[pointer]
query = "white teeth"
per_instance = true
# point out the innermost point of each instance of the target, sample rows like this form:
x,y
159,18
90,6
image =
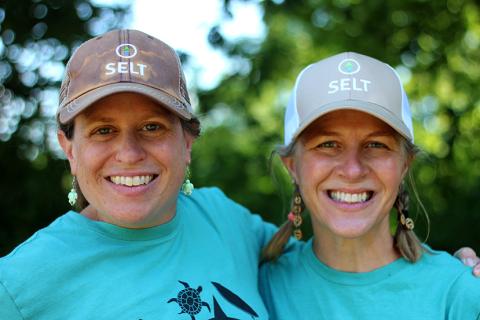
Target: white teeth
x,y
348,197
131,181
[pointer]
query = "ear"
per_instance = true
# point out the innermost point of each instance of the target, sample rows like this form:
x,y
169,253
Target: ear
x,y
67,147
406,165
290,164
188,146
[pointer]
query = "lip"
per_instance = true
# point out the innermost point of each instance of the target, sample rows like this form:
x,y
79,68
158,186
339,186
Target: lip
x,y
131,174
132,191
349,190
349,206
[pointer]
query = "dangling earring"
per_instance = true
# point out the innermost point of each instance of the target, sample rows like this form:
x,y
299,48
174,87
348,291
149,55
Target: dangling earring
x,y
402,204
295,216
187,186
73,195
406,222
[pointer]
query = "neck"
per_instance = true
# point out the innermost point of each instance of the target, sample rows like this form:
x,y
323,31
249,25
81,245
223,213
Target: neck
x,y
361,254
131,220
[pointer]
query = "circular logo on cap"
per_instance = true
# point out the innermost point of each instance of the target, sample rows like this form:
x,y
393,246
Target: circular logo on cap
x,y
126,50
349,66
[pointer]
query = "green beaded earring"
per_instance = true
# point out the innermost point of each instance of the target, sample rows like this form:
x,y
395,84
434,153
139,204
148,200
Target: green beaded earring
x,y
73,195
187,187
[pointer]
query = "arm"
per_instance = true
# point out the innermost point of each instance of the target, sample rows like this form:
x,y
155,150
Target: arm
x,y
255,228
8,308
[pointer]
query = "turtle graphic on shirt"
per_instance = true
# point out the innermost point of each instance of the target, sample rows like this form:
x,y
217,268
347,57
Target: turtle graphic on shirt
x,y
189,300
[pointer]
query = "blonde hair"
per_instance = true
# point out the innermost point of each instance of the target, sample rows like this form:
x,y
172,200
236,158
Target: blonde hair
x,y
405,240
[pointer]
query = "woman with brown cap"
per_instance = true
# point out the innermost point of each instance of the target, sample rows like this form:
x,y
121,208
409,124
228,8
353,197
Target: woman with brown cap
x,y
138,248
348,147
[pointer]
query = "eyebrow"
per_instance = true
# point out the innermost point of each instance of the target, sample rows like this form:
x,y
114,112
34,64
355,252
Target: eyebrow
x,y
321,132
158,112
100,119
384,133
325,133
379,133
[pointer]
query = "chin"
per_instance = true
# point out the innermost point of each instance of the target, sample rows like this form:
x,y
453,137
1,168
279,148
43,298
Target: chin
x,y
126,216
350,230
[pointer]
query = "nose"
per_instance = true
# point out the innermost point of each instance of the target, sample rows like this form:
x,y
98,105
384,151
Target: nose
x,y
352,167
129,149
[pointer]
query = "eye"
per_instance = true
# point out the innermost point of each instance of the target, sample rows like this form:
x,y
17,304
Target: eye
x,y
153,127
328,144
376,145
103,131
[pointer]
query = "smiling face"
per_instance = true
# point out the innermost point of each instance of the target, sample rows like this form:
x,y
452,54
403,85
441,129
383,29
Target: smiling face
x,y
349,166
129,157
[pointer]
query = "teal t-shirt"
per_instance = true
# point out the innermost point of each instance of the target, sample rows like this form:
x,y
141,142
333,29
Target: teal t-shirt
x,y
203,264
299,286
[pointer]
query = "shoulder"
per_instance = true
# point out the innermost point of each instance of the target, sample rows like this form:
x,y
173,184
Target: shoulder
x,y
284,274
213,202
456,277
34,259
464,296
466,283
212,207
37,249
209,194
464,288
293,259
442,261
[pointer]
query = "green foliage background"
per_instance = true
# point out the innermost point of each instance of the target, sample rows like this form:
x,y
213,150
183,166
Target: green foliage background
x,y
433,44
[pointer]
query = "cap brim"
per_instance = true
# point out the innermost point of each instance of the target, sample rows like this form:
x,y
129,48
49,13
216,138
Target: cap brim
x,y
371,108
69,111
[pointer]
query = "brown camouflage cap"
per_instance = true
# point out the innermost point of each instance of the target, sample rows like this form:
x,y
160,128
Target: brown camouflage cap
x,y
123,61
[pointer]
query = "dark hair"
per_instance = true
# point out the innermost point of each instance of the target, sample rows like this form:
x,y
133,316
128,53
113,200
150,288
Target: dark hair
x,y
191,127
405,240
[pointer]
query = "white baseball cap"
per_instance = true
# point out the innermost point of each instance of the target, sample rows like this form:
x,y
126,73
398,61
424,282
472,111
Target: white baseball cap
x,y
348,81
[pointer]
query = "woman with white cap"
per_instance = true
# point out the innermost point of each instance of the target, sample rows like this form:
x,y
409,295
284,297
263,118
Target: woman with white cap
x,y
137,248
348,147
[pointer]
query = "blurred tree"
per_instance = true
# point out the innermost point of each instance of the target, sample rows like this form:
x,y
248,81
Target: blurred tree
x,y
37,38
434,46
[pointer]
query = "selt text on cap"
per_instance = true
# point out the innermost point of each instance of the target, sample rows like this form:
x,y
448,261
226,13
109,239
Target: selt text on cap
x,y
123,61
348,81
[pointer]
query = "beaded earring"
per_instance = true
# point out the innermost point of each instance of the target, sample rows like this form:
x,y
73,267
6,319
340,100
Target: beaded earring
x,y
187,186
295,215
73,195
402,204
405,221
